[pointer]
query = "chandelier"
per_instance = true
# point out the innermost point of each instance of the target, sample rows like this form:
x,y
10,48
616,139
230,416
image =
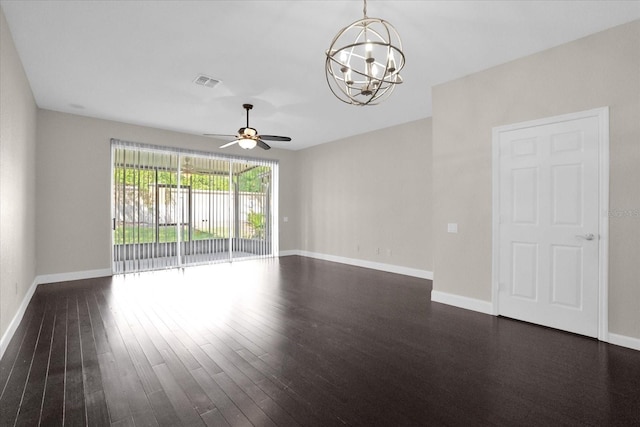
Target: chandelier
x,y
364,61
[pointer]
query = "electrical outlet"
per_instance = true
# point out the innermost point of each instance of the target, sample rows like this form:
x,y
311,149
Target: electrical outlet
x,y
378,251
388,251
16,288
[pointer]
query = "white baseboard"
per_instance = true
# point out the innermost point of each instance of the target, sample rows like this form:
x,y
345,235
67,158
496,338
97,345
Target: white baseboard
x,y
487,308
289,253
76,275
462,302
13,326
624,341
389,268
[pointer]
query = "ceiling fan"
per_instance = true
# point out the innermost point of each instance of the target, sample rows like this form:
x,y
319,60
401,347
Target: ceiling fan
x,y
248,137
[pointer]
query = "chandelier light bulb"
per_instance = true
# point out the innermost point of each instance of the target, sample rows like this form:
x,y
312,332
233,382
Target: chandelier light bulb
x,y
368,47
374,70
347,77
391,63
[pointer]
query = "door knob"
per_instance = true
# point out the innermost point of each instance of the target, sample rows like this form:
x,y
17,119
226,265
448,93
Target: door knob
x,y
588,236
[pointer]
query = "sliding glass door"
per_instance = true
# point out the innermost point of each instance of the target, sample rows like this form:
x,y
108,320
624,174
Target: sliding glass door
x,y
174,208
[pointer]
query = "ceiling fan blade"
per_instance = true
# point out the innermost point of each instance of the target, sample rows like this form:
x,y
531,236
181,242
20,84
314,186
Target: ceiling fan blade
x,y
275,138
228,144
262,144
219,135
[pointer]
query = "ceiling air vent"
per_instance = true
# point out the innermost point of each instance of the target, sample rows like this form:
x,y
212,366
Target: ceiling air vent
x,y
207,81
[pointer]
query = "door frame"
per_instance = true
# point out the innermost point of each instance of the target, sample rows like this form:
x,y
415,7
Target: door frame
x,y
602,114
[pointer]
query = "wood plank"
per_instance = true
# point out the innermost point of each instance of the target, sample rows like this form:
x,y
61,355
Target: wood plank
x,y
74,402
183,407
214,418
17,381
99,332
264,402
132,389
198,398
53,399
129,305
175,345
145,419
248,407
10,357
149,349
112,382
32,397
142,366
229,410
177,362
313,379
163,410
324,407
96,407
95,400
187,337
126,422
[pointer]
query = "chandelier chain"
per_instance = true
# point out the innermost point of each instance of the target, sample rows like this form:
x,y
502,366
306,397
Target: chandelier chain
x,y
364,9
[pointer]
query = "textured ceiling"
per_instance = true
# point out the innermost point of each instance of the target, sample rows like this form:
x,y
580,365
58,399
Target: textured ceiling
x,y
135,61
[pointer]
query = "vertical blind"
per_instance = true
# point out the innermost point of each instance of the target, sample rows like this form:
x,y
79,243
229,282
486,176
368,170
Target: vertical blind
x,y
174,207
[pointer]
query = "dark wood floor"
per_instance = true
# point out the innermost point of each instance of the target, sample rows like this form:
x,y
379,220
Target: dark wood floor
x,y
293,342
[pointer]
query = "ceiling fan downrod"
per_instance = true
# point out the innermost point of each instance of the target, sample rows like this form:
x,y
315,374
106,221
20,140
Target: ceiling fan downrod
x,y
247,107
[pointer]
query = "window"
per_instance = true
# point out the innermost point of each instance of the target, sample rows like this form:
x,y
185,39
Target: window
x,y
176,207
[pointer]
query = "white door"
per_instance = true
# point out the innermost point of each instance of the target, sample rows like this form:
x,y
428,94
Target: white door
x,y
548,225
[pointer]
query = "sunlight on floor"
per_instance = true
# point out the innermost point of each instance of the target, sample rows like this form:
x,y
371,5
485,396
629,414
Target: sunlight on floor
x,y
201,294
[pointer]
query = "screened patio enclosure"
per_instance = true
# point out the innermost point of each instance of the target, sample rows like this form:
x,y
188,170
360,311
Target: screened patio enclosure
x,y
174,208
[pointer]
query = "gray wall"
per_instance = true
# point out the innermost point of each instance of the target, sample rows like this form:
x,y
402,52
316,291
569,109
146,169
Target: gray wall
x,y
596,71
336,196
367,193
73,187
17,180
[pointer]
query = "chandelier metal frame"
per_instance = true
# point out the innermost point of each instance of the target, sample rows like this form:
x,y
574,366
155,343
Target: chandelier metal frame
x,y
366,68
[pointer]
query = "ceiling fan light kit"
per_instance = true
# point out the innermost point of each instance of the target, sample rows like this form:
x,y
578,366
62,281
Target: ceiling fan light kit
x,y
247,143
364,60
